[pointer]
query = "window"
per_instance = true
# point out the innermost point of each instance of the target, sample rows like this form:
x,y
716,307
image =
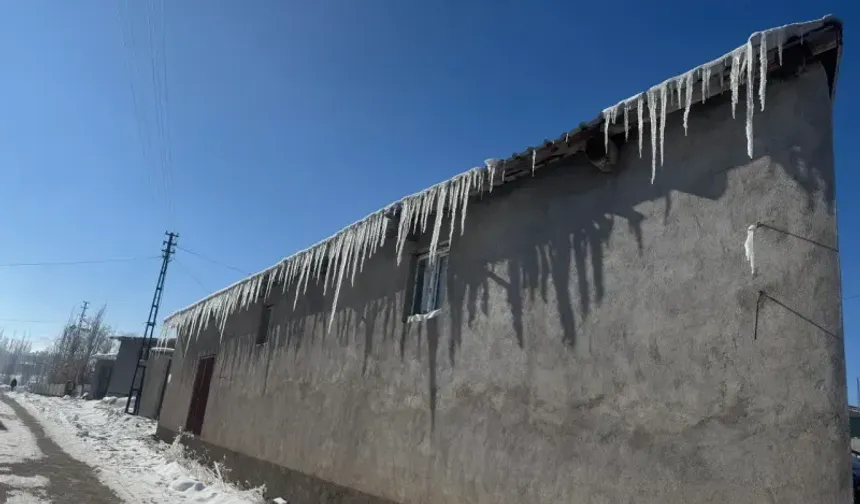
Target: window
x,y
265,320
429,287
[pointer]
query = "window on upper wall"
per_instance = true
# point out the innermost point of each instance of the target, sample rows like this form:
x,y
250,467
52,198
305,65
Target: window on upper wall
x,y
429,282
265,322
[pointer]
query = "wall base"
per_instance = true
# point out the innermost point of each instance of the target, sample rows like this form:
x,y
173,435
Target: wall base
x,y
294,486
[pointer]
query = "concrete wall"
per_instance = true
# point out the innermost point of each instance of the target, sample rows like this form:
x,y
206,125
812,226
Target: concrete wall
x,y
157,368
100,364
603,339
123,367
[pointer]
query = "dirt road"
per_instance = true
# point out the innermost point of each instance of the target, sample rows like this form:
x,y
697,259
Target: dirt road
x,y
34,470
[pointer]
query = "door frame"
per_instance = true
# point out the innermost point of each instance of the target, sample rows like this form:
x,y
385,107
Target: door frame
x,y
205,368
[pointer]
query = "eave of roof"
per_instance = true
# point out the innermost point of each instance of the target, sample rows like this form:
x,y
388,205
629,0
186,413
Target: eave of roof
x,y
822,35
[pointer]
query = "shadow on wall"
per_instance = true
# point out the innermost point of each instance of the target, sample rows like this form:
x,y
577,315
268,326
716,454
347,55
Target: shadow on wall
x,y
580,207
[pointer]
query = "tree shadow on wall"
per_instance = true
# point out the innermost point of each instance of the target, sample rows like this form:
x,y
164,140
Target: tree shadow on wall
x,y
544,239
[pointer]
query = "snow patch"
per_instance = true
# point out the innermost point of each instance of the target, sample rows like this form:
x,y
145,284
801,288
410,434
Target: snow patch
x,y
125,455
421,317
17,443
22,497
749,247
23,481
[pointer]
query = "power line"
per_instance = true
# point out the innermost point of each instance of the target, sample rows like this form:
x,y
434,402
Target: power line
x,y
75,263
213,261
190,274
23,321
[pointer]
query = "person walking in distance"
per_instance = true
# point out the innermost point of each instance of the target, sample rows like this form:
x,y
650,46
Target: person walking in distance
x,y
13,384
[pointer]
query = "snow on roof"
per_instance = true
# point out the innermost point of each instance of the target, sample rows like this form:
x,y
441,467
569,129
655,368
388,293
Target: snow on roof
x,y
340,257
126,337
105,356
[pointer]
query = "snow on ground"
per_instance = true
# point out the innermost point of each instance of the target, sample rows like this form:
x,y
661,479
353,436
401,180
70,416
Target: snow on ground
x,y
125,455
17,444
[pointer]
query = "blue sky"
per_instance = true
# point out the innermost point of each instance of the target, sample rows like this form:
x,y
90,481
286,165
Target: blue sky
x,y
286,121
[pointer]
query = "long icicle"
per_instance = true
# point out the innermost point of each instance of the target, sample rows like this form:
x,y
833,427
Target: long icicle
x,y
750,61
640,112
762,83
663,92
652,115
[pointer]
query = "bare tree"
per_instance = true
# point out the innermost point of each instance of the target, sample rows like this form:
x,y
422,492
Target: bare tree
x,y
17,348
97,337
71,353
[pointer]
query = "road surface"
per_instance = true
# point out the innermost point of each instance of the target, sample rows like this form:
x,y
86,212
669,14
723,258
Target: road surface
x,y
34,470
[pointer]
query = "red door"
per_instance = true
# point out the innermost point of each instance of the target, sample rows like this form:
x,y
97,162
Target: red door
x,y
200,395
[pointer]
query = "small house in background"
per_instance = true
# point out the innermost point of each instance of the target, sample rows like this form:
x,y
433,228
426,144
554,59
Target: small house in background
x,y
102,370
114,371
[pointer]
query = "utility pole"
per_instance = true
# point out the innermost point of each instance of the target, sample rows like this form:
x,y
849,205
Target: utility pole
x,y
84,306
73,347
143,355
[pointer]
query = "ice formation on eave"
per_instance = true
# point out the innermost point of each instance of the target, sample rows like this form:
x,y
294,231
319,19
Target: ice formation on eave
x,y
339,258
742,70
342,256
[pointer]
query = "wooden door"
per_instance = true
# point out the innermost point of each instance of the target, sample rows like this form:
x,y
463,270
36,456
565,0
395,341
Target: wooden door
x,y
200,395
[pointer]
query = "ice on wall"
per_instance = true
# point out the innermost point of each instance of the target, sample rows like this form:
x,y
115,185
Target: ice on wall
x,y
742,69
749,247
341,257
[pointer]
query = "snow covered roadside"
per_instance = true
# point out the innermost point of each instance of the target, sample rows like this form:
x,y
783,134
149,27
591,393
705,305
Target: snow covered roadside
x,y
124,454
17,445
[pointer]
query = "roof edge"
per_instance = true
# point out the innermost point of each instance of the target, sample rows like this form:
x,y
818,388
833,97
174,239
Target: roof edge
x,y
709,77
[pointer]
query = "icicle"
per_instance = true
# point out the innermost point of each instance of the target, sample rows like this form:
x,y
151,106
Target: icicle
x,y
688,100
750,60
347,248
652,115
734,79
534,158
491,165
437,226
663,93
454,198
464,195
427,206
626,121
749,247
706,83
779,44
360,246
640,112
762,83
608,118
402,228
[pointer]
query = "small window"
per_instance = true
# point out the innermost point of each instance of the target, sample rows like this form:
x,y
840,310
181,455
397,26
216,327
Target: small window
x,y
429,286
265,321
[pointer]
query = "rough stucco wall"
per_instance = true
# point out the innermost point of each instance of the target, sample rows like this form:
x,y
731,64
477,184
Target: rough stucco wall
x,y
601,340
94,379
156,370
123,367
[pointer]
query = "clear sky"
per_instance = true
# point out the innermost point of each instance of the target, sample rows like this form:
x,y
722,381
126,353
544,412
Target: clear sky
x,y
283,121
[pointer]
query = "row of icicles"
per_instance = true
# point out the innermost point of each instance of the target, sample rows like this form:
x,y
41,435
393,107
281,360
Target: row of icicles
x,y
342,256
680,90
